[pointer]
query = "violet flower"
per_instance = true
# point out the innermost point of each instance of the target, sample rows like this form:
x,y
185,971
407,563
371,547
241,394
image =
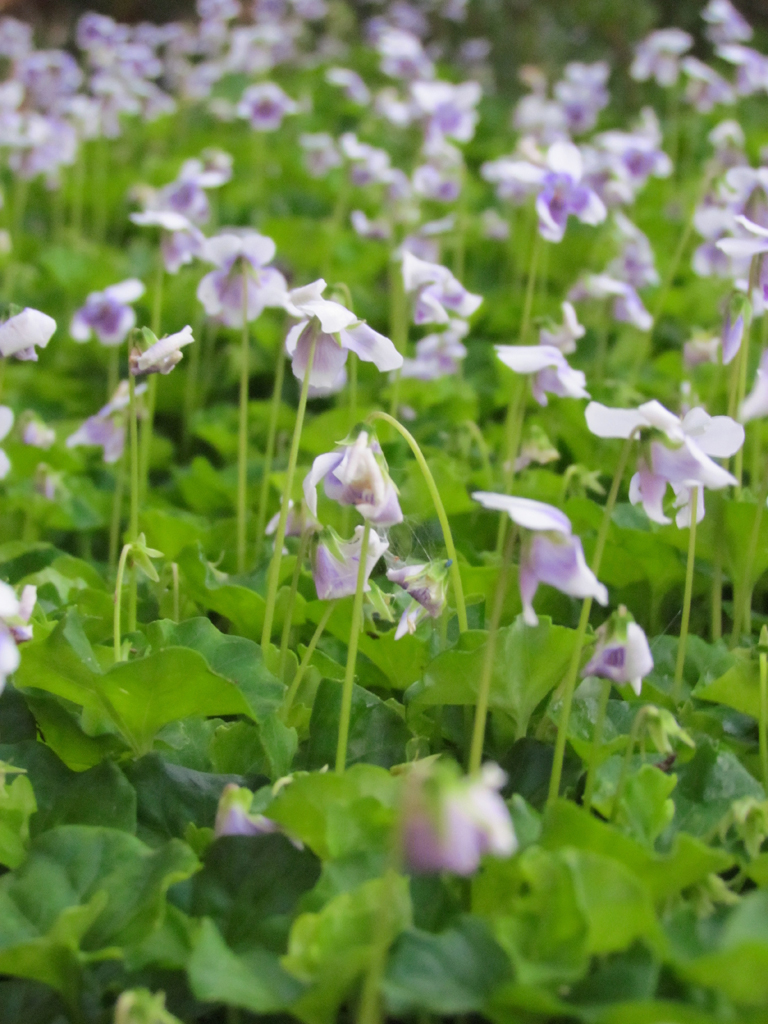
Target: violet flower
x,y
564,336
550,369
369,165
364,227
355,89
337,332
356,474
751,68
234,817
724,23
437,294
162,355
582,94
636,265
438,355
241,257
108,314
106,429
403,56
24,332
658,56
427,585
36,433
450,824
621,653
450,109
705,88
550,553
336,562
755,405
627,307
15,614
320,153
265,105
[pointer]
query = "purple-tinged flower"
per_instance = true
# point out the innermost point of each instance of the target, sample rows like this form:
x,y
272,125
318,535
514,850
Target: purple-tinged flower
x,y
563,336
621,653
658,56
364,227
25,331
427,585
582,94
336,331
356,474
218,10
627,307
437,294
108,314
562,193
162,355
36,433
675,451
15,614
369,164
234,817
700,349
6,422
299,521
494,226
550,553
106,429
724,23
535,447
438,355
355,89
636,265
15,38
705,88
320,153
550,370
265,105
755,405
451,823
390,105
751,68
436,184
336,562
403,56
753,243
450,109
48,76
241,258
633,157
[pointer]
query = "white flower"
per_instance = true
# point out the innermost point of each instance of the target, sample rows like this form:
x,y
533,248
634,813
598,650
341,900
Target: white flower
x,y
25,331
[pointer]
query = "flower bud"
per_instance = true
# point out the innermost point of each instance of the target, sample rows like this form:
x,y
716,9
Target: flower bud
x,y
622,653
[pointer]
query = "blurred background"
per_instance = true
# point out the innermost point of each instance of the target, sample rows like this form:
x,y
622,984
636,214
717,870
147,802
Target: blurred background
x,y
544,32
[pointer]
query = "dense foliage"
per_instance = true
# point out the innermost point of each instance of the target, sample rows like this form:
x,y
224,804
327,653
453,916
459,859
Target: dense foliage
x,y
521,773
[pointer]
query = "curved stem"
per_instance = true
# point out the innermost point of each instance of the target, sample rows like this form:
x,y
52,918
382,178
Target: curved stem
x,y
117,512
117,633
133,522
682,643
741,595
597,739
274,565
291,602
581,630
398,324
354,638
458,590
293,689
484,686
269,453
242,433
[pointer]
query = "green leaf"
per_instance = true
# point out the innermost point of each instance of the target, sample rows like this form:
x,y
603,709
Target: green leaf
x,y
377,733
645,809
738,688
17,805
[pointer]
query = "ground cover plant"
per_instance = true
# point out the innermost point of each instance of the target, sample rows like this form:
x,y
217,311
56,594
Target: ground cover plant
x,y
383,622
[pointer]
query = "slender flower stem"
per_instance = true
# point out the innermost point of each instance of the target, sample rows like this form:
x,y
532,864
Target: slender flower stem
x,y
513,431
717,573
117,511
242,434
352,366
484,686
133,522
291,602
634,736
269,453
113,370
176,595
530,289
763,721
602,708
581,629
398,324
742,603
274,566
369,1010
117,633
293,689
191,382
741,385
682,643
354,637
482,446
151,401
458,590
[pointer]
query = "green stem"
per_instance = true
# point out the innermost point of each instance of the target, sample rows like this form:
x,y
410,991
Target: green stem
x,y
242,433
133,522
741,595
581,630
151,401
274,412
513,433
682,642
291,602
293,689
117,511
274,565
717,575
530,289
354,637
176,595
113,371
369,1010
484,686
763,724
597,739
634,736
117,633
458,590
485,455
398,324
352,365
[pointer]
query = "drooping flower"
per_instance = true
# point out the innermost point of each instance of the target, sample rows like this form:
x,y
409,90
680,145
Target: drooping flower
x,y
705,88
582,94
724,23
234,816
550,553
549,368
438,355
621,653
336,332
564,336
24,332
427,585
15,614
450,109
36,433
106,429
265,105
627,306
241,258
108,314
436,293
658,56
355,89
356,474
336,562
751,72
450,823
162,355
